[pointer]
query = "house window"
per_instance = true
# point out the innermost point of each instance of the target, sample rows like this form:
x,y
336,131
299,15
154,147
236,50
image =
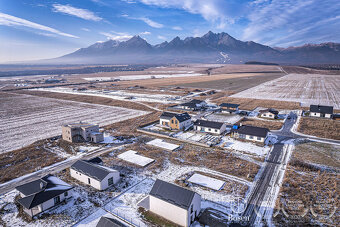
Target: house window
x,y
209,129
215,130
65,194
258,138
110,181
251,137
89,180
172,121
56,200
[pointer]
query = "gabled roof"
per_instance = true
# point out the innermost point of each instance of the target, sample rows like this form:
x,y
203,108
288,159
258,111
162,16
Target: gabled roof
x,y
95,160
109,222
209,124
168,115
182,117
172,193
253,131
321,109
189,104
93,170
229,105
196,101
42,190
270,110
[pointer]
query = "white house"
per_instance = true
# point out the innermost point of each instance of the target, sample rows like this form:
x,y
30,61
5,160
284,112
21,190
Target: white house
x,y
174,203
209,126
177,121
252,133
321,111
99,177
269,113
40,195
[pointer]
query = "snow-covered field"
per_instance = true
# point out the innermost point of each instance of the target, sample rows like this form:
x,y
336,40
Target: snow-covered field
x,y
142,77
133,157
246,147
206,181
305,88
162,144
117,94
25,119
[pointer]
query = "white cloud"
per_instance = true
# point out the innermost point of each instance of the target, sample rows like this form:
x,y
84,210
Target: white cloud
x,y
86,29
220,12
151,23
115,36
177,28
145,33
77,12
161,37
148,21
291,22
13,21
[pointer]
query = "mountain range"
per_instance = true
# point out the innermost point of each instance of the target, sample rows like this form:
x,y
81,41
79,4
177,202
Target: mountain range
x,y
210,48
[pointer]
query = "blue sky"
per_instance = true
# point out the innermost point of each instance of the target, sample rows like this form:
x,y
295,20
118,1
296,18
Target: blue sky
x,y
38,29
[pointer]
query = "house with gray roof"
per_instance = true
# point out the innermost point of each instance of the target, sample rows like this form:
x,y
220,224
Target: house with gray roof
x,y
42,194
252,133
229,107
321,111
176,121
98,176
184,204
193,105
209,126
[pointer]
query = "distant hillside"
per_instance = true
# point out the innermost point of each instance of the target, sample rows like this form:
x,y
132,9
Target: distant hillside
x,y
210,48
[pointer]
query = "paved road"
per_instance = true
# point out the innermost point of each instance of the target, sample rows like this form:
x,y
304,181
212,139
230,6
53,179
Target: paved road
x,y
273,162
6,187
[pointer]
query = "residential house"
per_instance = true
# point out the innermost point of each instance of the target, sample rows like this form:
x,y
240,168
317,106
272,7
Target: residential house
x,y
229,107
40,195
82,132
193,105
252,133
109,222
321,111
176,121
209,126
269,113
174,203
99,177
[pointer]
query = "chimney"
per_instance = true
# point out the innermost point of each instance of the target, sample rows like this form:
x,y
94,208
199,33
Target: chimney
x,y
41,185
240,124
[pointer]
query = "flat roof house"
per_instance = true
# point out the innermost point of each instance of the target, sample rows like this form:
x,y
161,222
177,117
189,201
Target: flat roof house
x,y
99,177
229,107
252,133
174,203
82,132
109,222
269,113
209,126
40,195
176,121
321,111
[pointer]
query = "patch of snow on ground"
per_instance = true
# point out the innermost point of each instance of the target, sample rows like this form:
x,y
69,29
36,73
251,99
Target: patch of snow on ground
x,y
206,181
165,145
250,148
132,157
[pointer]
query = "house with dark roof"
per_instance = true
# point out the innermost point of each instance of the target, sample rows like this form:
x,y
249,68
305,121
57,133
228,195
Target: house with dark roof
x,y
229,107
175,121
209,126
174,203
40,195
99,177
109,222
193,105
252,133
321,111
269,113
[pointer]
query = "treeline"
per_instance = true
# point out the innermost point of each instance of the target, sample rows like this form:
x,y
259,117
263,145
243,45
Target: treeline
x,y
85,70
259,63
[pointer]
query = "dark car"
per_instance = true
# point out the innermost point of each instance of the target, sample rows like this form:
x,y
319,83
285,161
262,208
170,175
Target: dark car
x,y
289,117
